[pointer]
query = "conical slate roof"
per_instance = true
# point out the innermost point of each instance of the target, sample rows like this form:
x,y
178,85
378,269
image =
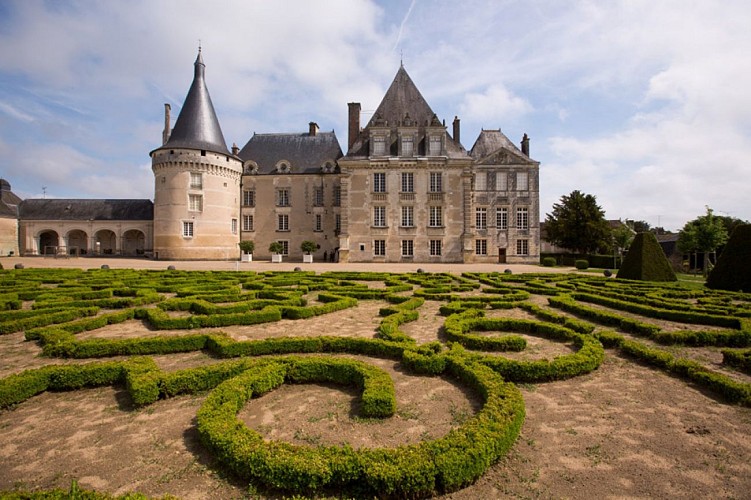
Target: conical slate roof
x,y
197,126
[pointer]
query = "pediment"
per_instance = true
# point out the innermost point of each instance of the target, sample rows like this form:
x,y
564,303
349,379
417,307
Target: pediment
x,y
504,156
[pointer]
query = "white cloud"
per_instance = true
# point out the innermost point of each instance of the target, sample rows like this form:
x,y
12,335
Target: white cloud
x,y
494,105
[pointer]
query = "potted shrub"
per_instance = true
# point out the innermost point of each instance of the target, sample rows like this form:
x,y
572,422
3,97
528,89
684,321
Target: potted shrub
x,y
276,249
308,247
247,248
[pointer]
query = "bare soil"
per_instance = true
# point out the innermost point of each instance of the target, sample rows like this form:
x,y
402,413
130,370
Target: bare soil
x,y
624,431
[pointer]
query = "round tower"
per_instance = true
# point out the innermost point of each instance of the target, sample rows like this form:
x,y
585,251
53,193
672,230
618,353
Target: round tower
x,y
196,183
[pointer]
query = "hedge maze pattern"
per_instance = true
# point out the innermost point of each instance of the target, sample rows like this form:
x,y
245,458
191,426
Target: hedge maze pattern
x,y
589,313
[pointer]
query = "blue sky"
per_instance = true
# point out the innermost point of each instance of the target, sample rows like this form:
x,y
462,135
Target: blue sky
x,y
646,105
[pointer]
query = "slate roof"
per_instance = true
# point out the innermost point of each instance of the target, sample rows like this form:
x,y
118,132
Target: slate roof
x,y
197,126
403,101
83,210
305,153
490,141
8,201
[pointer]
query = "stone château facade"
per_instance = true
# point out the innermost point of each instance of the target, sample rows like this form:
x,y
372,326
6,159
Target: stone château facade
x,y
405,191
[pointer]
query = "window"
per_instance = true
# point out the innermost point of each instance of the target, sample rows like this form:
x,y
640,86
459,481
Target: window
x,y
481,218
434,148
282,222
196,180
319,223
379,146
248,223
249,198
408,182
318,196
282,197
408,216
379,248
501,218
337,196
481,247
501,181
285,247
481,181
435,248
188,229
234,226
436,217
436,182
407,145
522,218
195,202
379,182
522,181
522,247
337,223
379,216
408,248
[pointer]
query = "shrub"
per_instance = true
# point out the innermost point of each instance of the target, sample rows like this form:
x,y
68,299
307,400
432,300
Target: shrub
x,y
308,246
276,248
607,273
581,264
733,269
549,262
646,261
247,246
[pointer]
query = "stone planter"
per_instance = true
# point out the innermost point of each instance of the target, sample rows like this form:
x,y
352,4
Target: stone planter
x,y
246,257
276,257
307,258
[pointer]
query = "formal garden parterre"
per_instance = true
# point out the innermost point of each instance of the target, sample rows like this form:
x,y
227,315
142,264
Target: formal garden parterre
x,y
218,328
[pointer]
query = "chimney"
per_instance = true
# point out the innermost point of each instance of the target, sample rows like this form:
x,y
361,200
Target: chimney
x,y
235,149
457,139
525,144
166,133
354,123
313,129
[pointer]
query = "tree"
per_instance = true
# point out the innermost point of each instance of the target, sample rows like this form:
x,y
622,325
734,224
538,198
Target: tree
x,y
578,223
639,226
622,238
704,234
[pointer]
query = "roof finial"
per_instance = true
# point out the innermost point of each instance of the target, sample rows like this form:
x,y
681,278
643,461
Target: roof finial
x,y
199,45
401,57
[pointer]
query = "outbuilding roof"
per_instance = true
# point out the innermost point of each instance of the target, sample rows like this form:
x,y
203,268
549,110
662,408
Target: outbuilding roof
x,y
303,153
85,209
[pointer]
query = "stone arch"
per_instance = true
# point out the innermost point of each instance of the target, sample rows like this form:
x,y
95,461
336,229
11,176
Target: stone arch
x,y
134,242
105,242
78,242
49,242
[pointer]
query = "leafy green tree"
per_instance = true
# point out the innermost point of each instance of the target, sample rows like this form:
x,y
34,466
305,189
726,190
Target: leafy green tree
x,y
578,223
704,234
639,226
622,238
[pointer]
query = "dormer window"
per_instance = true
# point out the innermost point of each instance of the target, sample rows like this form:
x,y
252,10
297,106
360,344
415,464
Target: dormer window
x,y
283,167
434,145
408,146
379,146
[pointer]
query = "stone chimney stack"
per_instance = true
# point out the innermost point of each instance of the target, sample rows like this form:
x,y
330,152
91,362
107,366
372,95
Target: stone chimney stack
x,y
313,129
166,133
354,123
235,149
457,130
525,145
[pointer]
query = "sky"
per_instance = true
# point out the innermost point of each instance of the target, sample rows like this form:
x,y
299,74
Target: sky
x,y
644,104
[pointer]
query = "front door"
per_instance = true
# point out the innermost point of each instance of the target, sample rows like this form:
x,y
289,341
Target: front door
x,y
501,255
